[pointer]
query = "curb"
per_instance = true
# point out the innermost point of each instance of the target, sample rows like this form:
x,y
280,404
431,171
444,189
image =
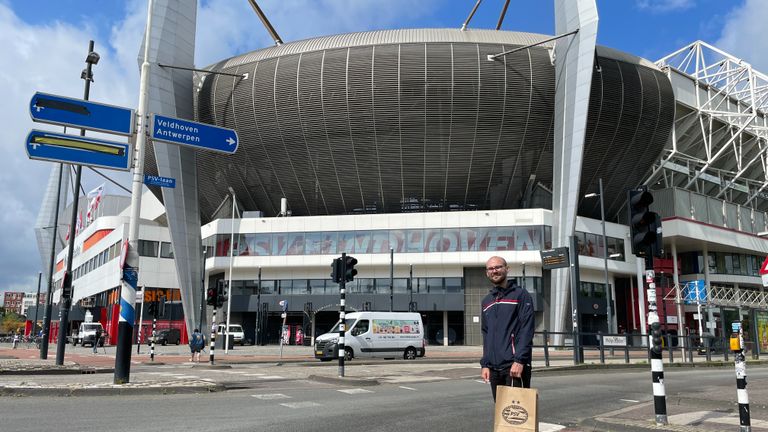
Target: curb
x,y
77,371
109,391
360,382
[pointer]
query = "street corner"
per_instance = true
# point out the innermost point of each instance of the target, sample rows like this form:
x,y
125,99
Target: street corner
x,y
345,381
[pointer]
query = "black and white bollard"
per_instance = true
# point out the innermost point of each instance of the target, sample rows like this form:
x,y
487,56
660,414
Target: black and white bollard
x,y
737,344
154,337
213,334
657,358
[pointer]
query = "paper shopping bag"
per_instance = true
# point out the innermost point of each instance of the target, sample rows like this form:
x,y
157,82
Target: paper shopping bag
x,y
516,409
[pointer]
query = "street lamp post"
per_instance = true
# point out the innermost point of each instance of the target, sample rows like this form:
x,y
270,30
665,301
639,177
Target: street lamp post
x,y
609,297
66,287
201,326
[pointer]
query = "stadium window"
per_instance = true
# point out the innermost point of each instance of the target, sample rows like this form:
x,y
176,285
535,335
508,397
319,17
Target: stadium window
x,y
148,248
166,250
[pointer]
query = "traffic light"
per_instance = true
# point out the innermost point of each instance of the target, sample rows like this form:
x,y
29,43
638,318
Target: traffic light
x,y
221,295
349,268
210,296
336,270
657,342
642,223
153,309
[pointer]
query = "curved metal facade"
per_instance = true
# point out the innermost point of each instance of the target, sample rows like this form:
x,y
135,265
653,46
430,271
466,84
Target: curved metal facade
x,y
418,120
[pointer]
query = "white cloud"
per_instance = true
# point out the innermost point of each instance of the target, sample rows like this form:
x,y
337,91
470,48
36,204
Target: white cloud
x,y
743,34
47,58
661,6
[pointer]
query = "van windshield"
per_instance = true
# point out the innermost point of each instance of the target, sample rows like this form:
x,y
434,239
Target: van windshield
x,y
348,323
90,327
235,329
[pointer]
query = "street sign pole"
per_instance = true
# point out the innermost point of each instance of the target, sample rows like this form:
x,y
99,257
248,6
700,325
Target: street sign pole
x,y
66,287
131,269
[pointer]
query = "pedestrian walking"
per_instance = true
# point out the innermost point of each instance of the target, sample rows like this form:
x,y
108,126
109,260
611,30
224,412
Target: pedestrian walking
x,y
96,339
196,344
507,327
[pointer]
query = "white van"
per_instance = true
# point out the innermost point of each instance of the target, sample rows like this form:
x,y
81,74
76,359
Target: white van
x,y
236,330
375,334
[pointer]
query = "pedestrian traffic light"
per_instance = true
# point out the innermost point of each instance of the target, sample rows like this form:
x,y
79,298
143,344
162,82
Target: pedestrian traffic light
x,y
657,341
210,296
336,270
349,268
642,222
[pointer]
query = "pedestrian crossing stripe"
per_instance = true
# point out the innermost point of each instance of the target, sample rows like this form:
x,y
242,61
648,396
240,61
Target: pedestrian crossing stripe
x,y
355,391
271,396
295,405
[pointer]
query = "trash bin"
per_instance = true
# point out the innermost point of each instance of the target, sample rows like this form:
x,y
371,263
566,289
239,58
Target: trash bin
x,y
220,342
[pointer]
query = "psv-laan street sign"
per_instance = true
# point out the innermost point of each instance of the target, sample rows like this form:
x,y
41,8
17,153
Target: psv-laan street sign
x,y
188,133
64,111
77,150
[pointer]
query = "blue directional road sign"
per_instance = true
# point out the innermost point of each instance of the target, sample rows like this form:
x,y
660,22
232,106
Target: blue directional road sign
x,y
78,150
151,180
59,110
194,134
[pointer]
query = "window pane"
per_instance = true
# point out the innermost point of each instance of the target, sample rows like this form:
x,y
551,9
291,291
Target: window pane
x,y
166,250
435,285
346,242
380,240
317,286
396,240
448,241
528,238
501,239
453,285
363,242
547,237
414,240
148,248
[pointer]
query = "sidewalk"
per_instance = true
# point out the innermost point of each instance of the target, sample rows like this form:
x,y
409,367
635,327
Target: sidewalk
x,y
85,373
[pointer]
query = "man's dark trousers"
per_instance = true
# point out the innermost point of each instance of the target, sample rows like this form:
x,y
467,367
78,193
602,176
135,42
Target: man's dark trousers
x,y
502,377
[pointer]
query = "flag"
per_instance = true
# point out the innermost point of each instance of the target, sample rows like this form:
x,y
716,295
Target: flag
x,y
93,205
79,225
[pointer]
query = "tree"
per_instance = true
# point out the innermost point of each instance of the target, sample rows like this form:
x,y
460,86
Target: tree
x,y
10,321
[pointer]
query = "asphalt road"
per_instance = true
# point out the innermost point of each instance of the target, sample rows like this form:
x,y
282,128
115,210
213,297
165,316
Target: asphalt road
x,y
456,402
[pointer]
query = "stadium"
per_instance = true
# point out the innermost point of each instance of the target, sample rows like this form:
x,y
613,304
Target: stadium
x,y
423,152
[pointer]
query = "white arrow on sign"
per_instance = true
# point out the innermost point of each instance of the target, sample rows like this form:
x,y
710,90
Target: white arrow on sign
x,y
231,141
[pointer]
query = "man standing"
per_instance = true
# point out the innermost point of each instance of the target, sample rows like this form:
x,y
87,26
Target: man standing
x,y
507,327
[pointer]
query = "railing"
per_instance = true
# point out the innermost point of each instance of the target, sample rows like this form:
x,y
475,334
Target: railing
x,y
628,346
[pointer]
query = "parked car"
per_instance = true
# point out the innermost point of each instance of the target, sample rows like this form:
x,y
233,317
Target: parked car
x,y
236,330
166,336
86,334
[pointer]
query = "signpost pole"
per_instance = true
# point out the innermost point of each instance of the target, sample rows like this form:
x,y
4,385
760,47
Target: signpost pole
x,y
49,294
131,269
66,287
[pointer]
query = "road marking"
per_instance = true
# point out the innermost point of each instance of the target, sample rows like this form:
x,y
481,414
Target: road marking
x,y
271,377
355,391
271,396
295,405
549,427
629,400
253,374
408,388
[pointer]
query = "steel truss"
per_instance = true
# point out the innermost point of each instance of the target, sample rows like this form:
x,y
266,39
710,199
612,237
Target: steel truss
x,y
722,296
719,146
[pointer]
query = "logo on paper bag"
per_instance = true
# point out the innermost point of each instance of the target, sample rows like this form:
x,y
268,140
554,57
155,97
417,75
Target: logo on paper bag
x,y
515,414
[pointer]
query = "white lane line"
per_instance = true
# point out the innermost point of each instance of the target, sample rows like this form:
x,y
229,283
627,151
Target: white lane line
x,y
629,400
252,374
408,388
271,377
355,391
271,396
549,427
294,405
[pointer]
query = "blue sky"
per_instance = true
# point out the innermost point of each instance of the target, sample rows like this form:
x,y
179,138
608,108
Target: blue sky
x,y
43,45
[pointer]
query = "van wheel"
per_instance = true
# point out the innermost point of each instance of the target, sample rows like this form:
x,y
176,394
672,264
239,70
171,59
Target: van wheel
x,y
410,353
348,354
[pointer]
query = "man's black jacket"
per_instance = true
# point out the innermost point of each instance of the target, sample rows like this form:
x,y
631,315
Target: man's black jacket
x,y
507,326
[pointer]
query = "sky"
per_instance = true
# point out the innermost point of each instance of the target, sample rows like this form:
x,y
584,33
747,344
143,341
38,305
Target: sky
x,y
43,44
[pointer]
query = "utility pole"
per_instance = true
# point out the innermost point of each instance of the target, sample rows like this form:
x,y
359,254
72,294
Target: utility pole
x,y
66,286
37,304
131,267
